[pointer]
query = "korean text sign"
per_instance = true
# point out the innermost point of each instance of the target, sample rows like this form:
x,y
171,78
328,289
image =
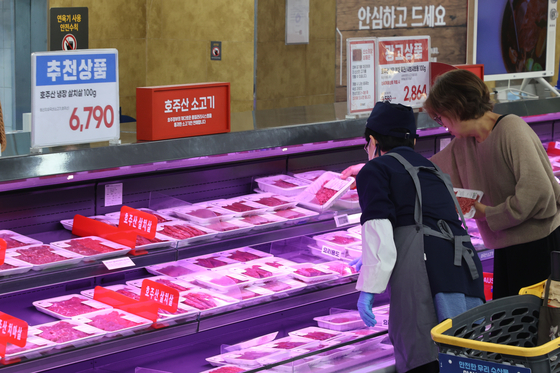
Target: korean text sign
x,y
165,296
361,75
168,112
12,330
403,70
74,97
139,222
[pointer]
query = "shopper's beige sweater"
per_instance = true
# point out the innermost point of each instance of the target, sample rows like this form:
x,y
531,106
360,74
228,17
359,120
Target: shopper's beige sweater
x,y
511,167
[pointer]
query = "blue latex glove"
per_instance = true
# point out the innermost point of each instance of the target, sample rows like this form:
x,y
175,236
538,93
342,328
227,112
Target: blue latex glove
x,y
357,262
365,304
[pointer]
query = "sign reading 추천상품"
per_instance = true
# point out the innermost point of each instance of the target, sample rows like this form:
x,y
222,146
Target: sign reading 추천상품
x,y
74,97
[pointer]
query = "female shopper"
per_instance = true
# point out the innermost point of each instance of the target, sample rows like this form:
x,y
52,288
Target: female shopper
x,y
412,239
502,156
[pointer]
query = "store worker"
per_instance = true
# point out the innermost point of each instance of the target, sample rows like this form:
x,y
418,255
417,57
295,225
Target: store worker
x,y
412,239
502,156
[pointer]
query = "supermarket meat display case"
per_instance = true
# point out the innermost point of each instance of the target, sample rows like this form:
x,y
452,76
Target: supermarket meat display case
x,y
39,191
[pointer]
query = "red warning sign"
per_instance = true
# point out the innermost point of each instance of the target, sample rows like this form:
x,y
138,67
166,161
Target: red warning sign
x,y
69,43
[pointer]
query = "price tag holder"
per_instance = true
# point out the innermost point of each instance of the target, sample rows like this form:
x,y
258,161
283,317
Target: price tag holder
x,y
3,247
74,97
166,297
330,251
341,220
12,330
403,70
119,263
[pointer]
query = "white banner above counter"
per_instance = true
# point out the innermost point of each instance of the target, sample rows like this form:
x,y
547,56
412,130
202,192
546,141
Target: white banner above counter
x,y
74,97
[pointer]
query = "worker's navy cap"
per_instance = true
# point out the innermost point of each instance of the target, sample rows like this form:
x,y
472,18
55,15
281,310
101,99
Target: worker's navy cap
x,y
386,116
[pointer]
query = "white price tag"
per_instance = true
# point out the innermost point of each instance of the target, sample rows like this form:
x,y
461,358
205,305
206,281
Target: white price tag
x,y
341,220
336,184
86,329
112,245
94,304
327,250
258,290
23,239
61,244
66,254
113,194
119,263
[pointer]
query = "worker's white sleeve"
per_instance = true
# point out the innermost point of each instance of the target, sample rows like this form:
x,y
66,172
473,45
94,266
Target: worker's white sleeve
x,y
379,256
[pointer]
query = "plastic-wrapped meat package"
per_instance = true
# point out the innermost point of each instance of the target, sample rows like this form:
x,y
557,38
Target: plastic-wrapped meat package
x,y
319,336
61,332
341,268
310,272
284,184
160,219
175,270
343,240
256,271
256,220
171,284
223,226
140,241
289,214
11,243
88,246
271,201
181,231
238,207
242,256
6,266
39,255
111,322
324,194
226,369
199,300
210,262
129,294
276,286
71,307
204,213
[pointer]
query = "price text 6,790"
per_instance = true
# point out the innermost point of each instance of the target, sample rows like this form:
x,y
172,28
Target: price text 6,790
x,y
414,93
100,115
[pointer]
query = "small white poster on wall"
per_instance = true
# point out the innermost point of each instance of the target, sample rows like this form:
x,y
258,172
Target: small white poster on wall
x,y
297,21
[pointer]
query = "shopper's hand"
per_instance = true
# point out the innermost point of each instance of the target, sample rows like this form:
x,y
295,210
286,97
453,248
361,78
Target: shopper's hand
x,y
365,304
357,262
480,213
352,171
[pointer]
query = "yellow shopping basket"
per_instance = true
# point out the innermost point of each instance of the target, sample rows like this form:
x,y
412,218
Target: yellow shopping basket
x,y
498,337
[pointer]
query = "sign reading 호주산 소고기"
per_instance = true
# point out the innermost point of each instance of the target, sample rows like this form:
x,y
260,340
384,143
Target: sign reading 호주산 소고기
x,y
74,97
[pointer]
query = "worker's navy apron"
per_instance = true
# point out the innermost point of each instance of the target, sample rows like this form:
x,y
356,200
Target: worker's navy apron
x,y
412,312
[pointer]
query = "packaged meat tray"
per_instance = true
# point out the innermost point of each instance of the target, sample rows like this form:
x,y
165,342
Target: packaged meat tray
x,y
158,241
283,185
283,287
92,247
68,306
161,217
34,347
467,198
263,221
67,333
44,256
185,232
349,200
228,368
324,191
276,262
245,254
310,175
13,266
14,239
272,201
341,321
260,272
127,290
175,269
230,228
312,273
223,281
250,357
355,231
315,333
212,261
208,302
204,214
175,283
241,207
69,223
342,268
296,215
115,322
339,240
288,343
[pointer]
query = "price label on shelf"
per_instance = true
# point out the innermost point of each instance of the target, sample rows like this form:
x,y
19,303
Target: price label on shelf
x,y
74,97
403,70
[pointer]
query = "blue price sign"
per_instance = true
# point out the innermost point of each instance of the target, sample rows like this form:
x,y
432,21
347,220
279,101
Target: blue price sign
x,y
456,364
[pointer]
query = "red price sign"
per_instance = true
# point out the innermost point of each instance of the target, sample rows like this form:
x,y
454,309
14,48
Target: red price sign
x,y
140,222
12,330
3,247
100,116
414,93
147,309
165,296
